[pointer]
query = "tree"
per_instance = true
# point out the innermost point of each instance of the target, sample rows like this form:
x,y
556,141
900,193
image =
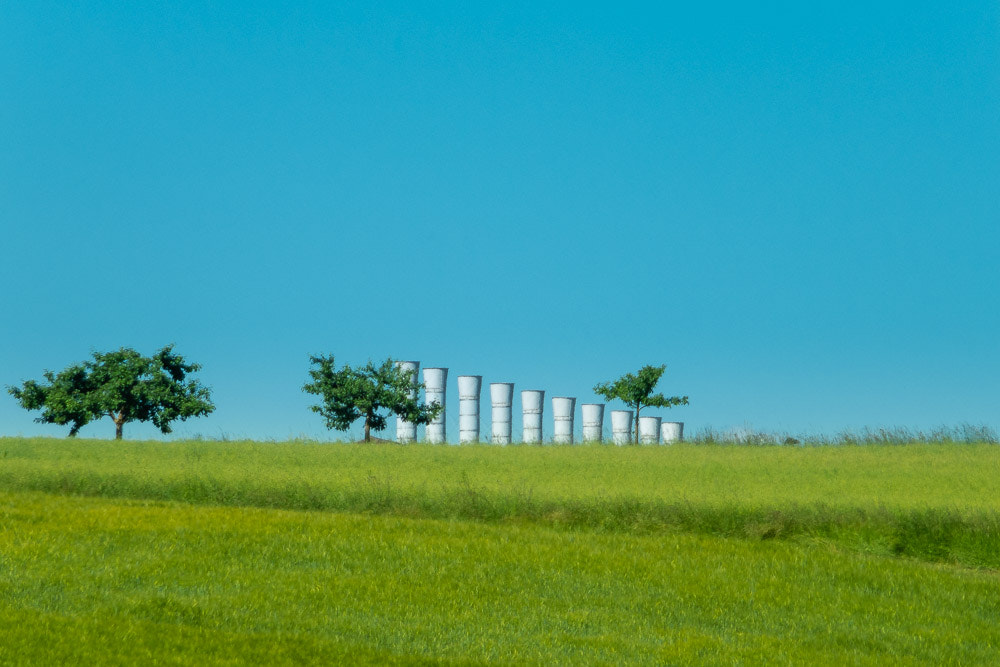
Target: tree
x,y
123,385
352,393
636,391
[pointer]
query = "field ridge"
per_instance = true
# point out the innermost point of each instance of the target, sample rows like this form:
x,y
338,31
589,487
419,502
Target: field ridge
x,y
522,485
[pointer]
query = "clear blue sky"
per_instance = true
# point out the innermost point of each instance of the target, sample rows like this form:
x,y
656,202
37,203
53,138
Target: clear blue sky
x,y
795,206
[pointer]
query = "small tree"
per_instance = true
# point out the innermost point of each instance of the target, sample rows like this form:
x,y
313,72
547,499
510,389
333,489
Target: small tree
x,y
636,391
123,385
352,393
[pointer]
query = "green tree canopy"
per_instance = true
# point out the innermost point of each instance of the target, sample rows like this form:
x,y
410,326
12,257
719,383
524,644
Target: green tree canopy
x,y
636,391
123,385
349,394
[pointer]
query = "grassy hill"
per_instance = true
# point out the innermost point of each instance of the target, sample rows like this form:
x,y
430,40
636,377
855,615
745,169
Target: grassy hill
x,y
207,552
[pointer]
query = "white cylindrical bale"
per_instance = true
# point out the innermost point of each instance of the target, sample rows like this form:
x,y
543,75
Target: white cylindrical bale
x,y
532,408
671,432
407,431
469,390
501,398
563,410
593,422
435,384
649,430
621,427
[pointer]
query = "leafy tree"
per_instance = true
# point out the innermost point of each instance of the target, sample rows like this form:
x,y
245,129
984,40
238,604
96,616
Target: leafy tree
x,y
352,393
636,391
123,385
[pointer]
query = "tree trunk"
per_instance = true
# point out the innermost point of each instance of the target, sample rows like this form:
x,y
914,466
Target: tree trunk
x,y
368,431
119,427
636,424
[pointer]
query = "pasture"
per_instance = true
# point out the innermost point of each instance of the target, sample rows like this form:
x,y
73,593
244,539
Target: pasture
x,y
217,552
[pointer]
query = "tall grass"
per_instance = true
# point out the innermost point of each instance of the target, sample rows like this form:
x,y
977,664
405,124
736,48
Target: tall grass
x,y
931,501
894,435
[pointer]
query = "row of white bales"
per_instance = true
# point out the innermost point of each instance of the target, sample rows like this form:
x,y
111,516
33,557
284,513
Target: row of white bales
x,y
652,430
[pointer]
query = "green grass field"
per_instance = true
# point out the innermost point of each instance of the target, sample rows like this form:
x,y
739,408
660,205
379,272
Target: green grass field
x,y
210,552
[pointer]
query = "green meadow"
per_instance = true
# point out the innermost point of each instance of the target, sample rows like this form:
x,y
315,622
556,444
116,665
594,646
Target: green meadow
x,y
233,552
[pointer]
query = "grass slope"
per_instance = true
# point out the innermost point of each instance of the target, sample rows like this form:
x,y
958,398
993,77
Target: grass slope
x,y
936,502
113,581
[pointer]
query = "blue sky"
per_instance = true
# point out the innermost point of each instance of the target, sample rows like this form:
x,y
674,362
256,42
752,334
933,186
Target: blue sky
x,y
792,205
